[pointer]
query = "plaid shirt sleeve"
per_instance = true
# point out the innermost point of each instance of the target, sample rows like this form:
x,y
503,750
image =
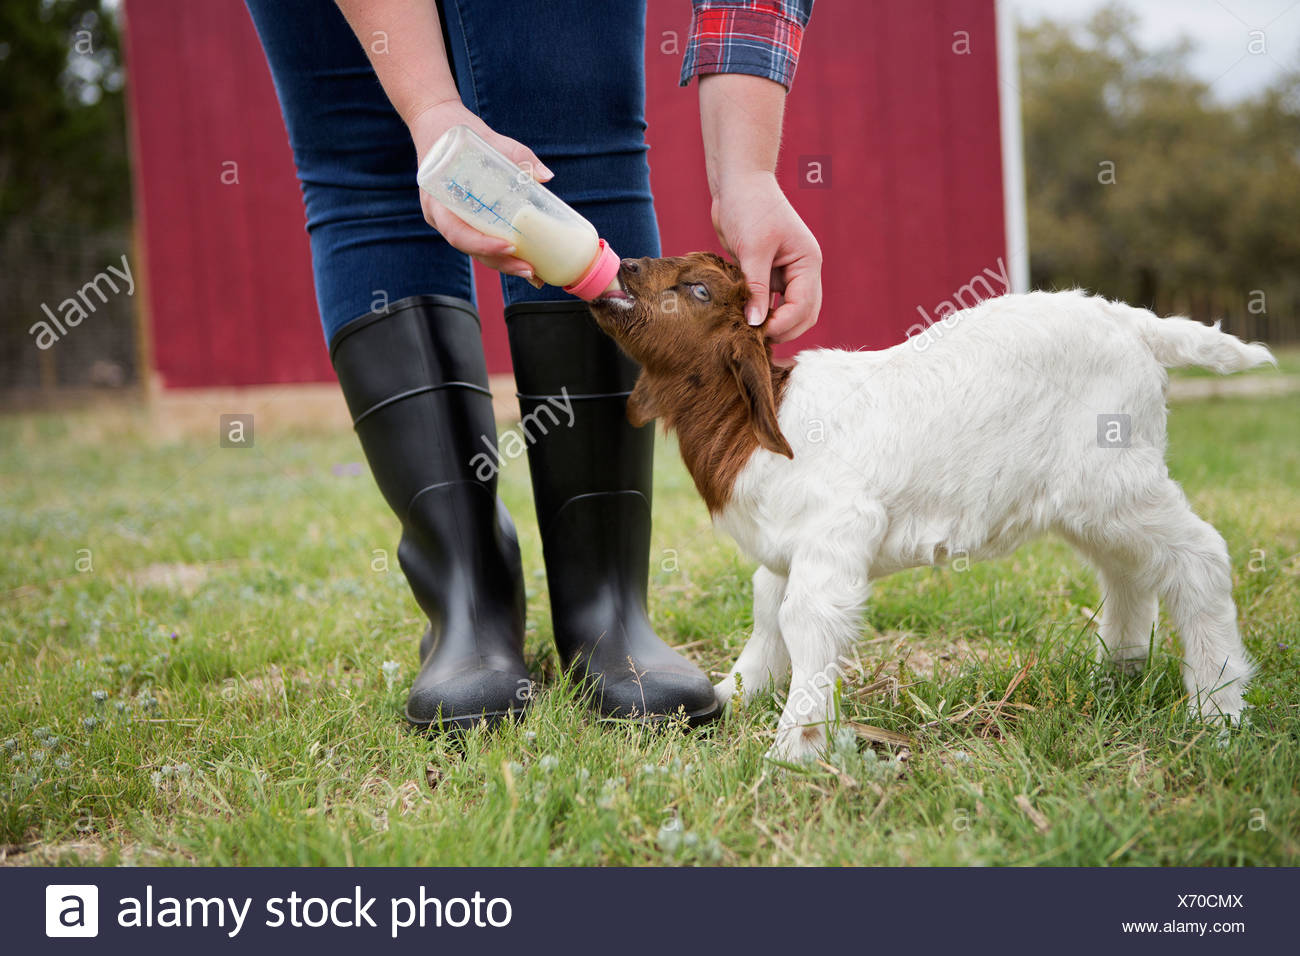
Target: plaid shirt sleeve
x,y
759,37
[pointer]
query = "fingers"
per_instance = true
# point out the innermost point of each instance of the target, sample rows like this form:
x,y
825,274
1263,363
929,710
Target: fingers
x,y
493,252
757,267
525,159
511,267
465,237
787,325
800,307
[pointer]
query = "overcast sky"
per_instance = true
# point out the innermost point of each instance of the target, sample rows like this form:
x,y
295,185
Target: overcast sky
x,y
1220,30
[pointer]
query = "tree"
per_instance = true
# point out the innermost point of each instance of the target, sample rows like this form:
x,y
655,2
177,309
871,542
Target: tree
x,y
62,122
65,196
1141,186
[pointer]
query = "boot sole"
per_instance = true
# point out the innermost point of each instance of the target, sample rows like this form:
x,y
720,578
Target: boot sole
x,y
694,719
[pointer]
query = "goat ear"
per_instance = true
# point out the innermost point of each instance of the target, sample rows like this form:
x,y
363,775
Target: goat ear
x,y
750,362
641,404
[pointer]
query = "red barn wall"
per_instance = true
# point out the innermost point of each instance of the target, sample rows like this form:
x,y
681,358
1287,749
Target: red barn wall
x,y
910,130
906,125
231,300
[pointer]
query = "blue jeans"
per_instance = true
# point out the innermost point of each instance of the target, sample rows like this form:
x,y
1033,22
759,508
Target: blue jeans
x,y
565,77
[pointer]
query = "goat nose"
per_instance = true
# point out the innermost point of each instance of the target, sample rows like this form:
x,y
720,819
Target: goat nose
x,y
632,266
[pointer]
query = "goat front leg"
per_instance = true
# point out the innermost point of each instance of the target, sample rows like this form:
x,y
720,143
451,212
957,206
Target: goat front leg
x,y
764,661
819,619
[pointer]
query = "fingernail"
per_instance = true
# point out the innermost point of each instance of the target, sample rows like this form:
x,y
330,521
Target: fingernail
x,y
545,170
508,250
754,315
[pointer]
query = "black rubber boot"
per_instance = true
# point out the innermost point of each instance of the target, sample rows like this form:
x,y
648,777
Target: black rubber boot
x,y
416,384
592,477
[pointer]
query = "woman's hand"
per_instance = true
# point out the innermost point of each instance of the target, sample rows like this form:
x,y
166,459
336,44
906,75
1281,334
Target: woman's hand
x,y
740,117
426,127
760,229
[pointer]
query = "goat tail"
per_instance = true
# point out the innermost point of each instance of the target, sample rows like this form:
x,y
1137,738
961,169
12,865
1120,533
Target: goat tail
x,y
1176,342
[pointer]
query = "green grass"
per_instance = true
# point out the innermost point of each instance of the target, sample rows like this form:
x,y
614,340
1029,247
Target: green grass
x,y
212,689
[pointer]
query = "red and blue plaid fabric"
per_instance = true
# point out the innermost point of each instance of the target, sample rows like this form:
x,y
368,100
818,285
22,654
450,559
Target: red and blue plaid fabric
x,y
759,37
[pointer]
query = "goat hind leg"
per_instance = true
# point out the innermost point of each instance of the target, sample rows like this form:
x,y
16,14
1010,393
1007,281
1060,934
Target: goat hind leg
x,y
1195,581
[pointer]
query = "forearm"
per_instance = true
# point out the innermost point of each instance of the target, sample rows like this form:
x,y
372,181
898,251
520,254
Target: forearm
x,y
740,117
403,40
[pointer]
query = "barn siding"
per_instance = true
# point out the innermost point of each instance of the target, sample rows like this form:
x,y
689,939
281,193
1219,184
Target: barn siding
x,y
229,273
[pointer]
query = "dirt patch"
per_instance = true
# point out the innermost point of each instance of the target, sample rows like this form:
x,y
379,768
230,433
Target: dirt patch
x,y
182,578
928,655
273,683
1251,386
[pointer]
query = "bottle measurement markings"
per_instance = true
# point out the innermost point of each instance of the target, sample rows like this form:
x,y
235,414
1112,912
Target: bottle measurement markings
x,y
463,193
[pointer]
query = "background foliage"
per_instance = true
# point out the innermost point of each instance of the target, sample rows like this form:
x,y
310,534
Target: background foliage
x,y
1205,198
65,187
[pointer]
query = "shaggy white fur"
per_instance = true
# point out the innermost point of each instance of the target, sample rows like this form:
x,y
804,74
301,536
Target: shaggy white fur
x,y
1022,415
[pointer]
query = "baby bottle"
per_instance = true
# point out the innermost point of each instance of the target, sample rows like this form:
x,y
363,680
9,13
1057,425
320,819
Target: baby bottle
x,y
496,197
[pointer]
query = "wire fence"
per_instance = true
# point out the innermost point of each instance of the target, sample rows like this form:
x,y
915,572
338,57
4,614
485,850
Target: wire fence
x,y
67,312
1253,316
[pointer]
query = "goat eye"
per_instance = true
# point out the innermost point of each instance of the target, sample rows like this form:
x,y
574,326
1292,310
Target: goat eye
x,y
700,291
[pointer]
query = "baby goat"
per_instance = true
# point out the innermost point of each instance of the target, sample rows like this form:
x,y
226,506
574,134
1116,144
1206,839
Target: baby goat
x,y
1021,415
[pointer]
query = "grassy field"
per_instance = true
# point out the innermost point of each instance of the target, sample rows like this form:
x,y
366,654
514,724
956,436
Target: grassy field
x,y
203,653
